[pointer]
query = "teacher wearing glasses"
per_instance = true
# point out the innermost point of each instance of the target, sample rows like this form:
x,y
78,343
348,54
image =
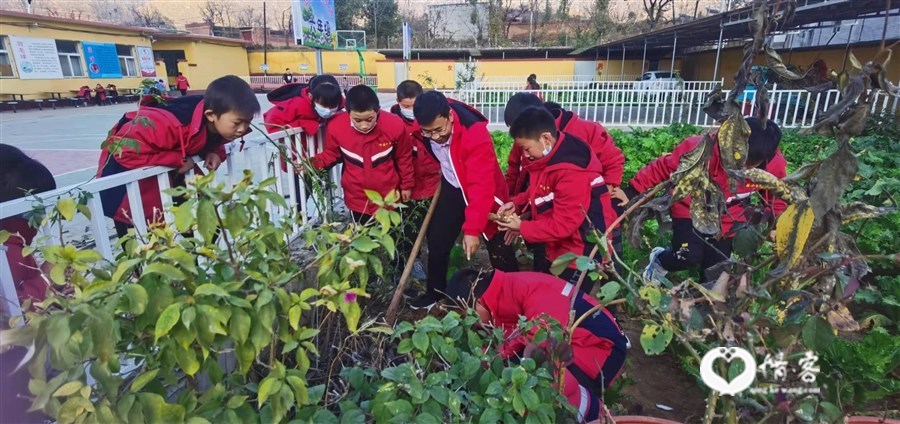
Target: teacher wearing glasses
x,y
472,186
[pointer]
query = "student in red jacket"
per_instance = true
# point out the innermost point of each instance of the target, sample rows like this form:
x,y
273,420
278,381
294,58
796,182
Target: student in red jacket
x,y
427,169
591,132
21,176
182,84
598,344
689,247
305,106
170,134
564,184
375,149
472,186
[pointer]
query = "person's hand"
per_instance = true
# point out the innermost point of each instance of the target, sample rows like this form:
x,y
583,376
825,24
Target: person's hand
x,y
514,223
510,237
619,194
470,245
405,195
507,209
186,166
212,161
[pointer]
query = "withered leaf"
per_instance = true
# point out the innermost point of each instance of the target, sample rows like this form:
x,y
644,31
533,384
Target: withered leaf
x,y
776,63
792,231
858,210
707,204
715,104
854,62
885,85
733,135
841,319
853,122
807,171
835,174
766,181
856,86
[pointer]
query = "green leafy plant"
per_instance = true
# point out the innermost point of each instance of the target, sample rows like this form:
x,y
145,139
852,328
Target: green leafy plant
x,y
451,370
208,321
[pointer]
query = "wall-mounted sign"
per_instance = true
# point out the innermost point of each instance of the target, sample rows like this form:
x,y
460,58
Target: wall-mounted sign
x,y
36,58
145,59
314,23
102,60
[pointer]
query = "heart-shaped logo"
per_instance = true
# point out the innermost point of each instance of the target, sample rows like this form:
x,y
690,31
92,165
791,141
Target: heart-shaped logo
x,y
719,384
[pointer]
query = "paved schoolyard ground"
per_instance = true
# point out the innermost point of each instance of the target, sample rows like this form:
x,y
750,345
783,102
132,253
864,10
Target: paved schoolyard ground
x,y
67,140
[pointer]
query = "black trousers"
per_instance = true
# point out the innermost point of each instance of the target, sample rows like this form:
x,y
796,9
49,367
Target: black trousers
x,y
183,92
690,248
446,224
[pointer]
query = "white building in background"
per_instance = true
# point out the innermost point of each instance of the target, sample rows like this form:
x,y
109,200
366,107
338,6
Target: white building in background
x,y
458,21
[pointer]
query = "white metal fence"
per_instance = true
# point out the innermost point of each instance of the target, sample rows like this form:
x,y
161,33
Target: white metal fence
x,y
655,108
345,81
256,155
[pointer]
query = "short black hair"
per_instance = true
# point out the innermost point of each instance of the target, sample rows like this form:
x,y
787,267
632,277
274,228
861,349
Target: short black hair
x,y
180,74
517,103
322,79
20,174
362,99
326,94
287,69
408,89
763,142
430,105
468,284
551,106
230,94
532,122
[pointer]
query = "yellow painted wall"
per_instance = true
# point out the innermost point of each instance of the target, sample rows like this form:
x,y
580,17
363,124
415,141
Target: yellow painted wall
x,y
331,61
206,61
38,88
441,73
386,75
525,67
700,66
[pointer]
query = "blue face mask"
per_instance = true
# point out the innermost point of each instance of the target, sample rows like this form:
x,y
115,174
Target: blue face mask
x,y
325,112
546,151
407,113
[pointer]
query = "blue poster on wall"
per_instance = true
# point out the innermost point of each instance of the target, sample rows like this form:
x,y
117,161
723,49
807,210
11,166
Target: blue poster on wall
x,y
102,60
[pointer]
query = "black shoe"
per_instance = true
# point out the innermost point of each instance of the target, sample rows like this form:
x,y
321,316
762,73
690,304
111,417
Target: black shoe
x,y
425,301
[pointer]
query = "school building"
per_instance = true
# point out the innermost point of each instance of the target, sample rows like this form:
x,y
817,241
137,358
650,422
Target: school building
x,y
45,57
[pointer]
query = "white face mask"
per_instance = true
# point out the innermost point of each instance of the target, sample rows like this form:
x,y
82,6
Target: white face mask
x,y
407,113
546,150
325,112
361,131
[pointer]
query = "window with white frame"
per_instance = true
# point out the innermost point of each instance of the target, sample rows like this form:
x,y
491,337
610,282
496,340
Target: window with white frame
x,y
6,69
70,58
126,60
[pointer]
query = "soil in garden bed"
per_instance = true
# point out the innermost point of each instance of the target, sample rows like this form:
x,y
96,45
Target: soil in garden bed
x,y
659,380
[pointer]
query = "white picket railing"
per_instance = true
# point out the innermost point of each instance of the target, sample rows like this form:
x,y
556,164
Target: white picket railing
x,y
657,108
257,155
345,81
